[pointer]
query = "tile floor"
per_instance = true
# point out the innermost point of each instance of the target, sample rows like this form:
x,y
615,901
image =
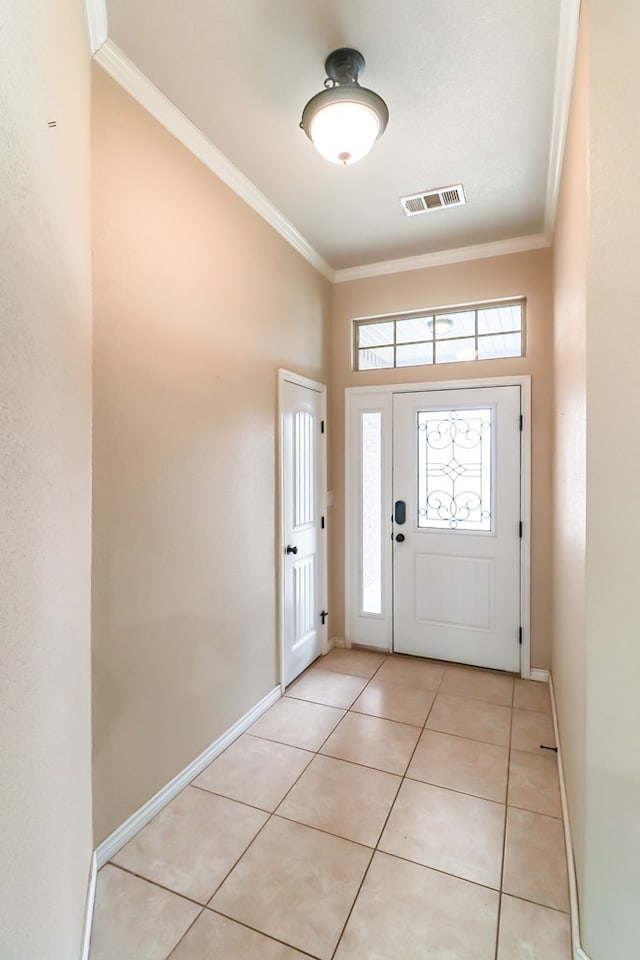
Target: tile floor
x,y
386,808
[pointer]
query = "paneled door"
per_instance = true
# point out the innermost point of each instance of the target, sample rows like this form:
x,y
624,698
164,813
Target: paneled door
x,y
303,527
456,525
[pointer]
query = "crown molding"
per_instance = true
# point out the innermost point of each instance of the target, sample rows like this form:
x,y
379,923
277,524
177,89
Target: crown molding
x,y
109,56
96,11
478,252
567,44
114,62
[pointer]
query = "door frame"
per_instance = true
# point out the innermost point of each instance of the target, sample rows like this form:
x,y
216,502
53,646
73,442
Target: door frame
x,y
361,628
288,376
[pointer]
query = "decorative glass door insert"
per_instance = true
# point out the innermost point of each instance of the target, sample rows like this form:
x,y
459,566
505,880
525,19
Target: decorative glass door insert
x,y
454,469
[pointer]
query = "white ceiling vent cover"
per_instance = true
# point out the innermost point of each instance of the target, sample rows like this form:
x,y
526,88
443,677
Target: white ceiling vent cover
x,y
428,200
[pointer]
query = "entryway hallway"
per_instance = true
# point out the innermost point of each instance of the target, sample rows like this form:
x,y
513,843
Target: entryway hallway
x,y
386,807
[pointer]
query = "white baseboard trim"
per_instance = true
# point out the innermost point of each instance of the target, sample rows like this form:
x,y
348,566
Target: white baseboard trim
x,y
574,910
88,909
337,642
536,673
116,841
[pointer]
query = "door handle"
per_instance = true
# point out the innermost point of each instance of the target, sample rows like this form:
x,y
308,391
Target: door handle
x,y
400,511
400,538
291,549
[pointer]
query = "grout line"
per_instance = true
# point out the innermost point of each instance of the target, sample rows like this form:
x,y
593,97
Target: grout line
x,y
257,736
260,933
238,859
504,830
190,927
327,833
155,883
355,899
386,820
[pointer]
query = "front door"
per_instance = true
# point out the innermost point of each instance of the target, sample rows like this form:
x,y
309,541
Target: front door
x,y
456,525
303,573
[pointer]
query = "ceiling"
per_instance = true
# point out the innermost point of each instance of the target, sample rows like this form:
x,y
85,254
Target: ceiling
x,y
471,91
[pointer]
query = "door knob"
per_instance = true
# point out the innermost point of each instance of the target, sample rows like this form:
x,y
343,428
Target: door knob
x,y
400,538
291,549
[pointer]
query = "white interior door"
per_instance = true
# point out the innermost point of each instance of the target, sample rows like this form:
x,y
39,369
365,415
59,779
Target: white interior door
x,y
303,554
456,541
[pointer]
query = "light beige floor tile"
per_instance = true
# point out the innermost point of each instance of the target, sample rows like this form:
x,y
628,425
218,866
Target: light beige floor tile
x,y
359,663
460,764
408,912
532,695
411,672
214,937
473,719
298,723
343,798
328,687
533,782
535,867
135,920
530,730
372,741
478,685
449,831
193,843
531,932
395,702
255,771
295,884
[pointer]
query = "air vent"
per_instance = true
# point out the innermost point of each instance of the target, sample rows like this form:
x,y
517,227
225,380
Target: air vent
x,y
429,200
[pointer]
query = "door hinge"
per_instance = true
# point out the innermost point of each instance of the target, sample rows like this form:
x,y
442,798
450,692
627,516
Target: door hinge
x,y
322,523
323,616
520,636
521,422
521,529
322,426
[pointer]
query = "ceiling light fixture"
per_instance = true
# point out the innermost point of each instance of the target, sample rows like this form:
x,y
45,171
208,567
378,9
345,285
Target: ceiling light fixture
x,y
441,325
344,120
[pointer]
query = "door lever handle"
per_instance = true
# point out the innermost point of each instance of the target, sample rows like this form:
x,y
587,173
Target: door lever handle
x,y
291,549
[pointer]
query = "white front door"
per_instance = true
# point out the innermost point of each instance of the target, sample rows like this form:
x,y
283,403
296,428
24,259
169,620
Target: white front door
x,y
303,554
456,525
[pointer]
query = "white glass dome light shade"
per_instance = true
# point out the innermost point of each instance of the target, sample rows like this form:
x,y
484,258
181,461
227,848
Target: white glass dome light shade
x,y
344,132
344,122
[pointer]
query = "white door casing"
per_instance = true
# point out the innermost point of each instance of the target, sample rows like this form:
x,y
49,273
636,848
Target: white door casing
x,y
456,566
373,627
303,527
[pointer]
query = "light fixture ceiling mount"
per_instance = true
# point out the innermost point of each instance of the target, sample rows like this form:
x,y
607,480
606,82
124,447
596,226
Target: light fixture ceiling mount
x,y
344,120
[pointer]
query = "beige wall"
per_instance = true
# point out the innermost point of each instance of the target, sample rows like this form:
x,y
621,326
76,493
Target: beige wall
x,y
612,838
569,454
45,521
197,303
523,274
596,656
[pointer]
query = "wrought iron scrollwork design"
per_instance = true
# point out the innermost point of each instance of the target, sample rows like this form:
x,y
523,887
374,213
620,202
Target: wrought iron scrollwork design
x,y
454,467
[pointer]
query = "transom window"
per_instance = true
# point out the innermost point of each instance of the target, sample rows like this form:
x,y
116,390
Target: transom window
x,y
484,332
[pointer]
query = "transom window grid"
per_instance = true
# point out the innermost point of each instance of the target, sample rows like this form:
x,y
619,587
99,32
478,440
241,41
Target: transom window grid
x,y
481,332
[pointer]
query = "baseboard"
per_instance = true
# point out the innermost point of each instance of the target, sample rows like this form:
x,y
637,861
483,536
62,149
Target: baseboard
x,y
574,910
337,642
88,908
543,676
116,841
